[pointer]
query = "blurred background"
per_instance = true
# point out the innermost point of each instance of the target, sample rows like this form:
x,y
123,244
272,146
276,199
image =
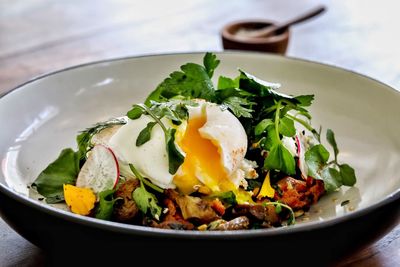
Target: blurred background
x,y
41,36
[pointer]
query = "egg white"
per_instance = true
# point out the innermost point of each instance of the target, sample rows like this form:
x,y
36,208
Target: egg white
x,y
221,127
151,158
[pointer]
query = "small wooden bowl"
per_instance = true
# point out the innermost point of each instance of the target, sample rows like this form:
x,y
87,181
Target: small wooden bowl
x,y
234,37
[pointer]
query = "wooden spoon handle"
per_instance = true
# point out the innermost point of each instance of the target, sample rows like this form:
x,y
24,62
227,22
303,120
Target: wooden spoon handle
x,y
271,29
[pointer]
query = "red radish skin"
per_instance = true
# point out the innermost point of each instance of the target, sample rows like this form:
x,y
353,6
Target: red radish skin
x,y
100,171
116,162
298,147
300,158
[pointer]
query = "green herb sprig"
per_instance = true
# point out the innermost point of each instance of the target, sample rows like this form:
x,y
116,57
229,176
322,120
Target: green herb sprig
x,y
267,115
157,112
193,81
105,207
146,201
332,172
85,136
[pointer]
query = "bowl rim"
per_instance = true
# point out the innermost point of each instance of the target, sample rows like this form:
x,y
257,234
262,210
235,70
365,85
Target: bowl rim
x,y
237,234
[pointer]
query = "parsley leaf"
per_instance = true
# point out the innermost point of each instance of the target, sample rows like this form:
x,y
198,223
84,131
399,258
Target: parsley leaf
x,y
173,110
227,83
305,100
210,62
193,81
236,105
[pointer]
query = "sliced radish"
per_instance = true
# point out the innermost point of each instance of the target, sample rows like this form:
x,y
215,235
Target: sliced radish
x,y
100,171
301,151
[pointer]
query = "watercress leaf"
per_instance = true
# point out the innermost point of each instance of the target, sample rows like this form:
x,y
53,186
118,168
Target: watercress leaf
x,y
237,106
262,126
226,83
145,134
279,158
316,158
135,113
330,137
210,63
286,127
332,179
63,170
348,174
270,138
175,157
305,100
105,207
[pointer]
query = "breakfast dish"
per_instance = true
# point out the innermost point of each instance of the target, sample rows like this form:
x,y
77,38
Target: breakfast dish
x,y
196,155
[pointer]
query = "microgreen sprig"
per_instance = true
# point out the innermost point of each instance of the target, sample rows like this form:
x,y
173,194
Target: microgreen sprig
x,y
175,157
278,208
146,201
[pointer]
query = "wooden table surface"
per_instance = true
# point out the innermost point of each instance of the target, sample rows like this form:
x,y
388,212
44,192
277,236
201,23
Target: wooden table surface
x,y
40,36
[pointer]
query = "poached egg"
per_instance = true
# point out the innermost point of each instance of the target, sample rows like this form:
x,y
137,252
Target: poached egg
x,y
213,141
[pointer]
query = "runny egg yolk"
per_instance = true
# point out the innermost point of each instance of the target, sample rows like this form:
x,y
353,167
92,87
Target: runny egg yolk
x,y
202,161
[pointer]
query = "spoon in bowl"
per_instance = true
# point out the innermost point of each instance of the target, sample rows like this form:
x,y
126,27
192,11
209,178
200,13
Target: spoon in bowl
x,y
270,30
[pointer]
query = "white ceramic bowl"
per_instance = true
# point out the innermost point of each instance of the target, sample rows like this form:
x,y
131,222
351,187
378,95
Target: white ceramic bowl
x,y
42,116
